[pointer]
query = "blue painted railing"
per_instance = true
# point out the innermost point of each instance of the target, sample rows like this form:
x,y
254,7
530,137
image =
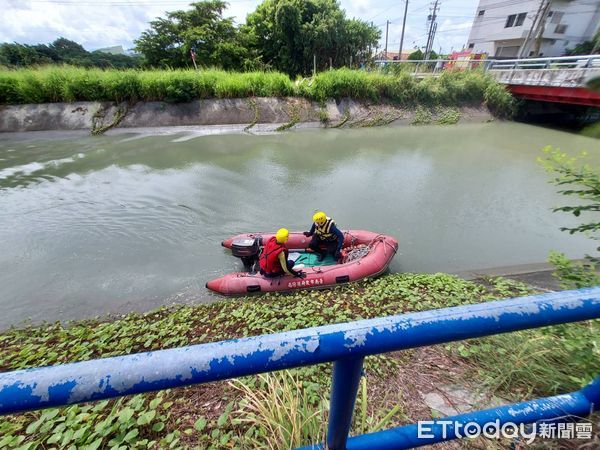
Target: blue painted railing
x,y
344,344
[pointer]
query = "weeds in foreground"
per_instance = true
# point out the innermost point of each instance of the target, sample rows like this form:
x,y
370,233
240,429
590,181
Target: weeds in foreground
x,y
542,362
280,411
573,275
283,411
204,415
538,362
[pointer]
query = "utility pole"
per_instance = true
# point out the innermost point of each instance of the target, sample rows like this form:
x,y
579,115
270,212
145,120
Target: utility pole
x,y
533,25
429,47
370,48
387,26
403,26
432,39
432,27
540,33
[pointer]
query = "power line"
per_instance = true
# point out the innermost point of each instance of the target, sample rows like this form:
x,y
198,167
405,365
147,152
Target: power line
x,y
380,13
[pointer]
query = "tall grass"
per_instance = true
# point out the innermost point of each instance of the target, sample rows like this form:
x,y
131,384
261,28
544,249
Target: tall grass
x,y
68,84
280,411
283,414
540,362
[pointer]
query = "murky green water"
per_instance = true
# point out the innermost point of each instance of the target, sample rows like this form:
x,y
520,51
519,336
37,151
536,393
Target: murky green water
x,y
92,225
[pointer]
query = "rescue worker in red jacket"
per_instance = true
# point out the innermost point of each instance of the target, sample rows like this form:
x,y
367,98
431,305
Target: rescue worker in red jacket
x,y
274,258
325,234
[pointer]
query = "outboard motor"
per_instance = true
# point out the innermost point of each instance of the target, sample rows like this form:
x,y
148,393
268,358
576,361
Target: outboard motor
x,y
248,250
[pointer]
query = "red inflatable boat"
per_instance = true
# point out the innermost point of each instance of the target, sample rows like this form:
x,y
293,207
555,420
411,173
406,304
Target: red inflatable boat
x,y
364,254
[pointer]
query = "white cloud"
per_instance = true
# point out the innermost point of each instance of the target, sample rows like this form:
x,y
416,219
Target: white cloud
x,y
101,23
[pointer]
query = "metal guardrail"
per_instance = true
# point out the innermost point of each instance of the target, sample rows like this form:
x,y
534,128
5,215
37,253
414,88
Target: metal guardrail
x,y
563,62
346,345
565,71
434,67
574,62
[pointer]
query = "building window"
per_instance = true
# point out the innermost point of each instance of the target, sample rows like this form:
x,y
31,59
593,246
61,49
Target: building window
x,y
557,17
482,12
515,20
560,29
471,45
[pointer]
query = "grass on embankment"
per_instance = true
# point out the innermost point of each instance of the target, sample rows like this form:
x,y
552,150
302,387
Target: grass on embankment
x,y
229,415
68,84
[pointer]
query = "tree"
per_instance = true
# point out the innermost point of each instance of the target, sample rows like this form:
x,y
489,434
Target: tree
x,y
20,55
61,51
288,34
67,50
580,181
203,29
586,48
417,55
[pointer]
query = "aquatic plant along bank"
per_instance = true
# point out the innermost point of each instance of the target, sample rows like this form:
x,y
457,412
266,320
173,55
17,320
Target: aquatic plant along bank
x,y
395,390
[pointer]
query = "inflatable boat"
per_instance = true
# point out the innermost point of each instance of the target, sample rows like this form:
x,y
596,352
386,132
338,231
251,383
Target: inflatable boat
x,y
364,254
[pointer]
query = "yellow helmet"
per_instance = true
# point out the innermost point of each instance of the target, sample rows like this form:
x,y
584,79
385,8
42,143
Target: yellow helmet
x,y
282,235
319,217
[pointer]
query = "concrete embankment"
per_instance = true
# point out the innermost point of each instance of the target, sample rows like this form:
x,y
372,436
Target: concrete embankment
x,y
538,275
101,116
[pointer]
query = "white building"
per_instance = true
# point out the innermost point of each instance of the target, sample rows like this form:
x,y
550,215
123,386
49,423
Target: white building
x,y
506,28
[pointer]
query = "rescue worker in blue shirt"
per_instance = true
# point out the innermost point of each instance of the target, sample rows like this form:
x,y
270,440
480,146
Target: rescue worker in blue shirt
x,y
325,234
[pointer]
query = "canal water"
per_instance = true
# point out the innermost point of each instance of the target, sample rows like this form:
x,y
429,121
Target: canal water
x,y
131,221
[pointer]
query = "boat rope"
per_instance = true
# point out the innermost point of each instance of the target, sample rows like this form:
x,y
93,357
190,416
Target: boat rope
x,y
356,252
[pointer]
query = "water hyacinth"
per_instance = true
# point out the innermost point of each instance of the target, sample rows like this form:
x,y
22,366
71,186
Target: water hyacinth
x,y
226,415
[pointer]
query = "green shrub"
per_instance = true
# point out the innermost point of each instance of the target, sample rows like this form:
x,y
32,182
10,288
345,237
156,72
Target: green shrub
x,y
341,83
499,101
178,85
9,89
30,86
54,85
540,362
573,275
82,85
122,85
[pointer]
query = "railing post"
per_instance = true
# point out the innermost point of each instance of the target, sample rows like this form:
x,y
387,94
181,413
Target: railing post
x,y
592,393
344,386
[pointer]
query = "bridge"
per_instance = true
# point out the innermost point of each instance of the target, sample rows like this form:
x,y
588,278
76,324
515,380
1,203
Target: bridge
x,y
344,344
558,80
555,80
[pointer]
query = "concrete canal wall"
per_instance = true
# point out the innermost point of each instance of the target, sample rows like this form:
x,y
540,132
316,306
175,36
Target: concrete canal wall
x,y
101,116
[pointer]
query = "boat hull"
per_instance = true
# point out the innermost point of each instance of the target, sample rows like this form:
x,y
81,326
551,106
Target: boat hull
x,y
383,249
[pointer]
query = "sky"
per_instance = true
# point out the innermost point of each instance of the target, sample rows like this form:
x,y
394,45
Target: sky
x,y
105,23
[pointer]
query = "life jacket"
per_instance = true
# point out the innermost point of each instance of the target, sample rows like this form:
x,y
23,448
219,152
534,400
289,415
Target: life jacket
x,y
269,259
323,232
